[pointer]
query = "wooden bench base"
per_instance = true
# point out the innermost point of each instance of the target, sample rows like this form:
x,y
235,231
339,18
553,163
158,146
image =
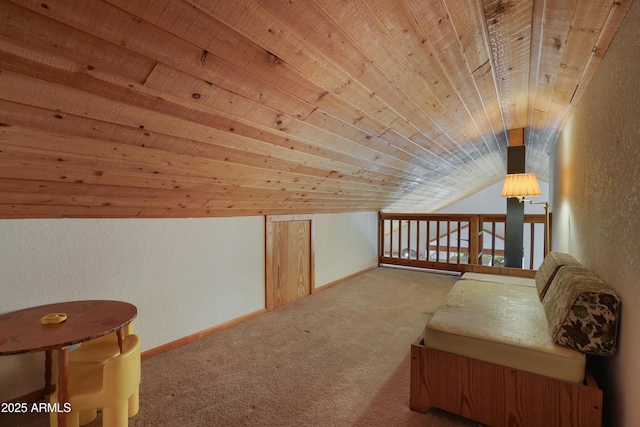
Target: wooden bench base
x,y
497,395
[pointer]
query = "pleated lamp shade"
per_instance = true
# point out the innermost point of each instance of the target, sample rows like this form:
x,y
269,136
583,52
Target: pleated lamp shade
x,y
521,185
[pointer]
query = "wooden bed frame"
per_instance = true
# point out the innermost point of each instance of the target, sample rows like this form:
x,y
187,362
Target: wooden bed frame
x,y
497,395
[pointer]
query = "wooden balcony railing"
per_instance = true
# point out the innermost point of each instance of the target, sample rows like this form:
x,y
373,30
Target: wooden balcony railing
x,y
457,242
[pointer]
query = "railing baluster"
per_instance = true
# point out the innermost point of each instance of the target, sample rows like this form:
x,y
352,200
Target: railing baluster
x,y
458,242
493,243
391,239
428,254
531,245
418,239
409,239
394,236
438,241
448,241
475,240
380,236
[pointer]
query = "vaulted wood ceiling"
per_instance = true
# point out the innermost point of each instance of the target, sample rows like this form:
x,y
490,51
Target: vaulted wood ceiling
x,y
191,108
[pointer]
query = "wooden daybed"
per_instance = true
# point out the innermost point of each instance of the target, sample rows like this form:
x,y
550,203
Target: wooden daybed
x,y
490,353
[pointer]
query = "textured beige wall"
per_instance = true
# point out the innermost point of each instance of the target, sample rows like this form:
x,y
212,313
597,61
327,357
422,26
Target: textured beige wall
x,y
596,204
345,243
184,275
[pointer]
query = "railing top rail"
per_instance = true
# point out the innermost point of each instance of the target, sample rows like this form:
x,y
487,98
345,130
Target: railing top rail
x,y
528,218
431,217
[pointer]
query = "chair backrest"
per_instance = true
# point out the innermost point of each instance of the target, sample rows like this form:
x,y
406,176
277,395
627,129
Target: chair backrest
x,y
111,338
99,343
121,375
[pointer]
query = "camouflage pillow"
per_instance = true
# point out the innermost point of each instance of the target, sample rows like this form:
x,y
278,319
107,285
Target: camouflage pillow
x,y
548,269
582,311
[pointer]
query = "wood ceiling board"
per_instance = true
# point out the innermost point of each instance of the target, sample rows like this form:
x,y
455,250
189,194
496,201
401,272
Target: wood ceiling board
x,y
221,192
108,136
582,40
381,48
393,149
509,26
401,24
29,28
84,105
616,14
484,80
551,45
272,107
31,144
253,22
444,40
20,140
588,38
144,185
398,73
146,181
16,198
246,69
228,98
330,104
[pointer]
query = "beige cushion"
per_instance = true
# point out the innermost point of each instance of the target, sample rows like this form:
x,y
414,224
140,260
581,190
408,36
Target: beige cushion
x,y
502,324
510,280
548,269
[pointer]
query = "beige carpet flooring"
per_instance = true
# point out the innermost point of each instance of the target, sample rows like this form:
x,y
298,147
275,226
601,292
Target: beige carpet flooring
x,y
337,358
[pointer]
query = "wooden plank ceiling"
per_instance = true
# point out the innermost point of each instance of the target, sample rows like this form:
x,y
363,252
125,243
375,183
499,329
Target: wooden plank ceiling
x,y
193,108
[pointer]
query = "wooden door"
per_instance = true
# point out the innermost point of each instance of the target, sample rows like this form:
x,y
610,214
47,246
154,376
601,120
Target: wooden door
x,y
289,259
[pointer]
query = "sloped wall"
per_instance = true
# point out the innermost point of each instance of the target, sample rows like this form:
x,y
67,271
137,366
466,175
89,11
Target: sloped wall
x,y
596,202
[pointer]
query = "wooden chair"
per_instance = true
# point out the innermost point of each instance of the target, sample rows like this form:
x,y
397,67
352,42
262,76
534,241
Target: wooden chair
x,y
107,386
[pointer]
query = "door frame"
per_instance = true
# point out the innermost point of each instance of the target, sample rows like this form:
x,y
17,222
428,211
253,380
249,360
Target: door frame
x,y
269,282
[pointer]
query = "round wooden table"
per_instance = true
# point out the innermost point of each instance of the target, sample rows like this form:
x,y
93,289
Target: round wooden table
x,y
22,332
